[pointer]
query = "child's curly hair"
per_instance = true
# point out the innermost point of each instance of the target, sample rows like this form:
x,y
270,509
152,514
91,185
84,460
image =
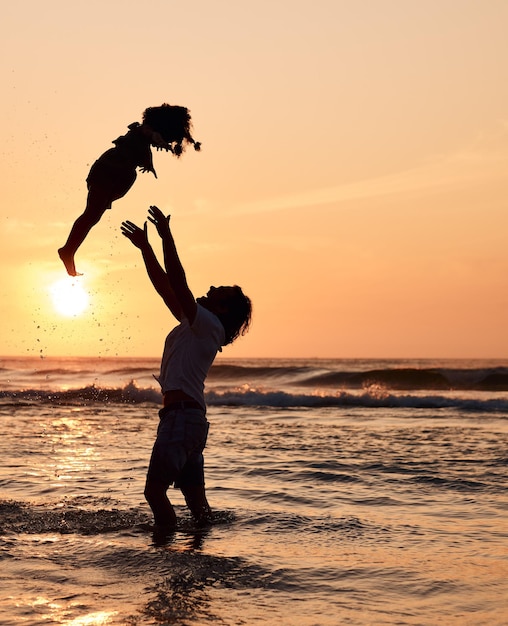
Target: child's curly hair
x,y
173,123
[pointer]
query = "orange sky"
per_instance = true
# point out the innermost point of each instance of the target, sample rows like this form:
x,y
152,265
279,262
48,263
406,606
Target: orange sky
x,y
353,176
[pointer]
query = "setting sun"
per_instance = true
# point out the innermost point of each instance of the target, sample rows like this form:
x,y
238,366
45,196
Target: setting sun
x,y
69,297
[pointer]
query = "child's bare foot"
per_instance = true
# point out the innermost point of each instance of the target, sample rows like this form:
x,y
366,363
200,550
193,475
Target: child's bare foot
x,y
68,261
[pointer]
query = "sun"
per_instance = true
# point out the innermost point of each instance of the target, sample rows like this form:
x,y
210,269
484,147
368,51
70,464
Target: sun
x,y
69,296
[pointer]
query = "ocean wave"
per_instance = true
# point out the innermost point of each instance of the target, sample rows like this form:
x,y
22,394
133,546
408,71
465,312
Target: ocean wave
x,y
373,399
398,378
83,396
248,397
20,517
337,375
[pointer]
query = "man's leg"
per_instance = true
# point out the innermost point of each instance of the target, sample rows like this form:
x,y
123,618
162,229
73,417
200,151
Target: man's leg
x,y
195,498
162,509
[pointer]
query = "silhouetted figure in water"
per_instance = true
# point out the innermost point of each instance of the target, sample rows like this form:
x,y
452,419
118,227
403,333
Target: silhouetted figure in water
x,y
206,324
165,127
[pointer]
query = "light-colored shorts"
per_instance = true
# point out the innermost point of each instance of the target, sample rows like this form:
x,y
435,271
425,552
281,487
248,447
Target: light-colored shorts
x,y
177,455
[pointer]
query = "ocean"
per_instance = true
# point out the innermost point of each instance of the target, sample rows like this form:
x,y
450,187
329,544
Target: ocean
x,y
346,492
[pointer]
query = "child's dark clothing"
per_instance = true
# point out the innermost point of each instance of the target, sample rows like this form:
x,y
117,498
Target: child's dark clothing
x,y
114,172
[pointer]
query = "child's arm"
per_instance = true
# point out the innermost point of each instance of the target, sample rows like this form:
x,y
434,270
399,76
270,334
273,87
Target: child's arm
x,y
159,142
141,138
148,164
155,138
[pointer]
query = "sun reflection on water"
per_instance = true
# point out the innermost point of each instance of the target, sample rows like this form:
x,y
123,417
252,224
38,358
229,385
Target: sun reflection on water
x,y
93,619
50,610
73,448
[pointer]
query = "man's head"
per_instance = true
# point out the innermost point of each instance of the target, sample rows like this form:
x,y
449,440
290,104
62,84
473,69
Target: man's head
x,y
232,307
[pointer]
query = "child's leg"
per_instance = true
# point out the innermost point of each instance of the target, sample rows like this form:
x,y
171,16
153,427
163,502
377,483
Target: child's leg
x,y
107,181
96,206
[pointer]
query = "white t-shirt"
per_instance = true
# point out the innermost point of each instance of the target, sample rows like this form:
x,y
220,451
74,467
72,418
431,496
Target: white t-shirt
x,y
189,352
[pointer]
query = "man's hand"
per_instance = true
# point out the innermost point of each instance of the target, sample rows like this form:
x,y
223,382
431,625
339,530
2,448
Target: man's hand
x,y
138,237
160,221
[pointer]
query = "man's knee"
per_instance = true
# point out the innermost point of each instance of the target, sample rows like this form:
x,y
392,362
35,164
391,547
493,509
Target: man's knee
x,y
154,490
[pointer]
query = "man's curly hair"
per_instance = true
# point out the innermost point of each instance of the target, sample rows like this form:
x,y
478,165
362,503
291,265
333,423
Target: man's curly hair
x,y
237,319
173,123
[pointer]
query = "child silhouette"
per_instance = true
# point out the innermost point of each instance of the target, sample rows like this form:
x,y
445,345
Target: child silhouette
x,y
165,127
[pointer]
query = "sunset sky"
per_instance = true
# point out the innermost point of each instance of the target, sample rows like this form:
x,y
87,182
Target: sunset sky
x,y
353,176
